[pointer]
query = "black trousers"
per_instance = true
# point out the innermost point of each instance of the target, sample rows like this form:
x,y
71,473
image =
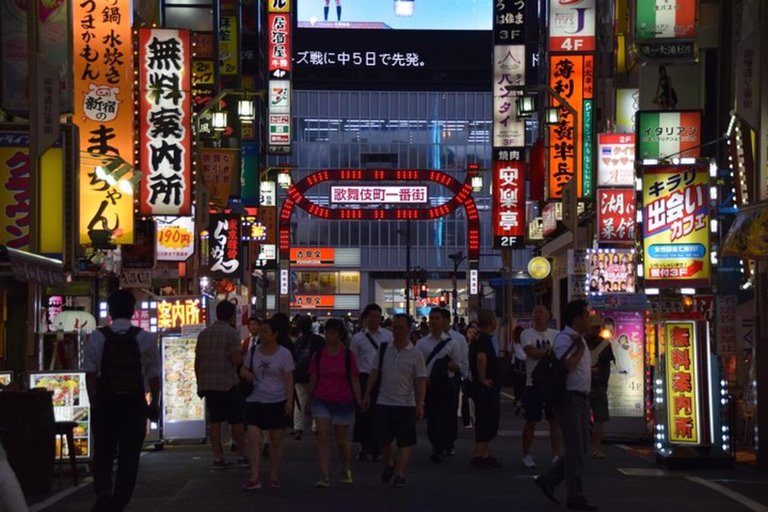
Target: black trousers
x,y
119,426
364,420
440,410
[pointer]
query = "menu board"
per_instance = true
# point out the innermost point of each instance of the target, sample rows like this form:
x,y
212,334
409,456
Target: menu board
x,y
180,400
6,378
70,403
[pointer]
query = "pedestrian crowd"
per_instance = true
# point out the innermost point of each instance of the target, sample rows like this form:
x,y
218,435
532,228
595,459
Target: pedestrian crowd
x,y
373,386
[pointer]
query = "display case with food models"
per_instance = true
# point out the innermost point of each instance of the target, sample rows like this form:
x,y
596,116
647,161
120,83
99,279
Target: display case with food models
x,y
70,403
6,378
183,410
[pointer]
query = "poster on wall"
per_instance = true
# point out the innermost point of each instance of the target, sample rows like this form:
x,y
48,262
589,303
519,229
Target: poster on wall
x,y
611,271
676,225
70,403
626,387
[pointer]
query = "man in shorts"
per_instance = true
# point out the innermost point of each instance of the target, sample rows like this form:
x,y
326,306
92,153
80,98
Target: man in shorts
x,y
400,402
537,341
218,355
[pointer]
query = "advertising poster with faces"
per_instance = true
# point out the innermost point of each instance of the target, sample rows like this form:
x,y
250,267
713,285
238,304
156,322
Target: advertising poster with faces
x,y
612,272
625,385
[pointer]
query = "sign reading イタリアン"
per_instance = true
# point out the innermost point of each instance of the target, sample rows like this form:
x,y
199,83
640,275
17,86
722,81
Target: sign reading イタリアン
x,y
668,134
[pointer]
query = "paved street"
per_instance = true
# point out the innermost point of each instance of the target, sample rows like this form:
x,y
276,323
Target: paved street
x,y
179,479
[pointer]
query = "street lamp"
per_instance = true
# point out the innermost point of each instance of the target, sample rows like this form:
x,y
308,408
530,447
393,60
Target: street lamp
x,y
457,259
477,183
219,120
552,115
246,110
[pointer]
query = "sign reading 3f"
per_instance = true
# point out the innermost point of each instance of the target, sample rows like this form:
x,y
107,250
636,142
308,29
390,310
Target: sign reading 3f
x,y
571,25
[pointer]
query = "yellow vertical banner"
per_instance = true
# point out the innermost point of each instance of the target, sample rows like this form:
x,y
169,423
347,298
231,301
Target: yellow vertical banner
x,y
103,111
682,382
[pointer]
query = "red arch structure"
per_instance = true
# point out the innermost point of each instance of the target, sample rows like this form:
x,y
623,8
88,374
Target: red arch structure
x,y
462,197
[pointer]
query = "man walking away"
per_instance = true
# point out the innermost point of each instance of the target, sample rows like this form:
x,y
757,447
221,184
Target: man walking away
x,y
537,341
453,433
573,411
402,376
306,346
486,390
119,361
365,345
218,355
442,357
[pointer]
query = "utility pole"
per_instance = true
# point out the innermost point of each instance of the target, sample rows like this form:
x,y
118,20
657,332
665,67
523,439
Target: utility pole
x,y
408,266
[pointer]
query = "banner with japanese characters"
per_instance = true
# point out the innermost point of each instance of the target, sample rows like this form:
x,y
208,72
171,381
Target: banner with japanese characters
x,y
166,117
218,167
104,113
676,225
570,153
682,382
616,215
571,25
666,134
224,245
616,160
279,58
229,49
175,238
508,71
508,204
379,195
665,19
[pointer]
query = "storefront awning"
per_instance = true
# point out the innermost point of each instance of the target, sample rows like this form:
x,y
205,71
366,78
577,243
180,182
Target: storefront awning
x,y
748,236
33,268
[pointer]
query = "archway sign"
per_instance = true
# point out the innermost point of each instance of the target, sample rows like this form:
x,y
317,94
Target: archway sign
x,y
394,211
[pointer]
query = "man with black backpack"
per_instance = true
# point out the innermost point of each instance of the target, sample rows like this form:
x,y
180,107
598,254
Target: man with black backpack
x,y
119,360
443,358
365,345
571,407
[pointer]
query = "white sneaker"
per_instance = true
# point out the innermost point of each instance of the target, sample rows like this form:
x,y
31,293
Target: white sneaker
x,y
528,462
555,459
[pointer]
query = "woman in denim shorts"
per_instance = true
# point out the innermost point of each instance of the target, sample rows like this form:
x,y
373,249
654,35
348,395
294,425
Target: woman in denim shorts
x,y
333,390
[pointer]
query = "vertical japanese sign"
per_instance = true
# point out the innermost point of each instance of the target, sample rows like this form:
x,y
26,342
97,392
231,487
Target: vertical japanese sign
x,y
103,111
217,167
676,225
279,73
508,204
682,383
166,117
571,25
570,153
229,51
616,160
508,71
725,306
616,215
224,245
661,134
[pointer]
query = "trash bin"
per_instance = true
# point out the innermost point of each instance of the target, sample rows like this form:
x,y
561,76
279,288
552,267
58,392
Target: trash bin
x,y
27,431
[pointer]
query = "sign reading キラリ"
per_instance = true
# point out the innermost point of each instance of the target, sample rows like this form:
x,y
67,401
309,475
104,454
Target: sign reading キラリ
x,y
379,195
166,115
676,225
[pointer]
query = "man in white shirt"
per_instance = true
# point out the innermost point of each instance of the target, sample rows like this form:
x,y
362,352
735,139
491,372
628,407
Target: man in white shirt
x,y
443,358
365,345
573,411
537,341
450,451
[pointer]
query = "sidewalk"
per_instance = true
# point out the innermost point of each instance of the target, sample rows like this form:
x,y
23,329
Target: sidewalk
x,y
180,479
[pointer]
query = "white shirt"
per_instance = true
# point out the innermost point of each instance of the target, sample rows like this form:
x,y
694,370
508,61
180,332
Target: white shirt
x,y
464,346
580,378
364,351
428,343
150,357
399,371
269,387
536,339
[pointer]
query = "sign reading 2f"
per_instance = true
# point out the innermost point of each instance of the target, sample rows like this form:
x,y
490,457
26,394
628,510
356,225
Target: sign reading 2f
x,y
571,25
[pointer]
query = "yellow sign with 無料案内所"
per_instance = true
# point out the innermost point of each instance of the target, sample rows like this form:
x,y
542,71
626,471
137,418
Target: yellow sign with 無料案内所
x,y
682,383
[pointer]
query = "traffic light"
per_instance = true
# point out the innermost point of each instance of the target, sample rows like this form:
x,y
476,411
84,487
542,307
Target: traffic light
x,y
442,300
423,291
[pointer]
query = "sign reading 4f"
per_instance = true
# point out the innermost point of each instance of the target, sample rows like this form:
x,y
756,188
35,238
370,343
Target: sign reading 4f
x,y
572,25
279,5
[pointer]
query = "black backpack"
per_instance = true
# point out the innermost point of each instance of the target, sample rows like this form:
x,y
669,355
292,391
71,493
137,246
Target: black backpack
x,y
549,377
121,362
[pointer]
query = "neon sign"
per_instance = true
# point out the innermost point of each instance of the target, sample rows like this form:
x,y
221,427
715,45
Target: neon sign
x,y
174,313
